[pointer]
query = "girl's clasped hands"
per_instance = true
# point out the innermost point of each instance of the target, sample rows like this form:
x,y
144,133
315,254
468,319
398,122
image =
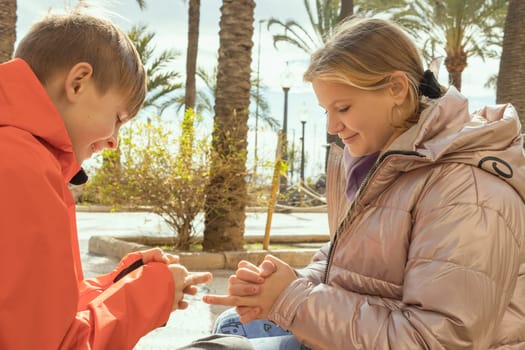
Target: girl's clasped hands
x,y
254,289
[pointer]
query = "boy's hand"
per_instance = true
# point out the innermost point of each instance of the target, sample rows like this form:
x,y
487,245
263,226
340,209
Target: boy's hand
x,y
256,306
158,255
185,283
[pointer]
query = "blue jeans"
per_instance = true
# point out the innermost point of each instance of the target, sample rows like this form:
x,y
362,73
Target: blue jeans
x,y
263,334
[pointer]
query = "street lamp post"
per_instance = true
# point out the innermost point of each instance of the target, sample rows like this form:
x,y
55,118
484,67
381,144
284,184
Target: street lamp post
x,y
284,147
303,122
257,101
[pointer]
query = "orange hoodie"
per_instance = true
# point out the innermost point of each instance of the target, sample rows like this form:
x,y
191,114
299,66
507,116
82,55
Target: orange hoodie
x,y
45,303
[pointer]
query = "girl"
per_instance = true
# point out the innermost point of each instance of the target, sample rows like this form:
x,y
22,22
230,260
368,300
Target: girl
x,y
426,211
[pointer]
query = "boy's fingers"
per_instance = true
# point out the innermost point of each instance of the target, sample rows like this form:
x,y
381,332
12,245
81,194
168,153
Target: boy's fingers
x,y
190,290
197,278
172,259
183,305
154,254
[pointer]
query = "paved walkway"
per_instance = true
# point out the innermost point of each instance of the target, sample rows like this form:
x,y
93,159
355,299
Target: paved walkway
x,y
197,320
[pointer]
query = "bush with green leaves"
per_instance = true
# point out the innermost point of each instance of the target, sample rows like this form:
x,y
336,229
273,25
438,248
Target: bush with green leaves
x,y
159,170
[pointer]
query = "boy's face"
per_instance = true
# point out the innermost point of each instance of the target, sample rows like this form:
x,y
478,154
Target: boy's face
x,y
91,119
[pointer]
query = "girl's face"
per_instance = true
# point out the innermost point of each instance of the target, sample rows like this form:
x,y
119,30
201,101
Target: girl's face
x,y
360,118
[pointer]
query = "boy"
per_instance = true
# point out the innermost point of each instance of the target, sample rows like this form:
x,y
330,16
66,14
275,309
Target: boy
x,y
74,81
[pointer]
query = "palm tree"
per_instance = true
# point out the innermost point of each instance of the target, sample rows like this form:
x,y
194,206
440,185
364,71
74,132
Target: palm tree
x,y
205,99
463,28
7,29
324,17
226,194
191,53
512,64
162,81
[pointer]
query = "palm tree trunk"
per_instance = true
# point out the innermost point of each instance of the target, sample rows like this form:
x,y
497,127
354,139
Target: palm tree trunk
x,y
226,194
7,29
512,64
191,53
456,62
347,9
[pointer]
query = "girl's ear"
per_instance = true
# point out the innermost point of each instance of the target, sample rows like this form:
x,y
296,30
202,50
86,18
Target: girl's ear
x,y
77,80
399,87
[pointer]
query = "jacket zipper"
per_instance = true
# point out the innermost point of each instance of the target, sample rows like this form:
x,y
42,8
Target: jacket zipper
x,y
360,190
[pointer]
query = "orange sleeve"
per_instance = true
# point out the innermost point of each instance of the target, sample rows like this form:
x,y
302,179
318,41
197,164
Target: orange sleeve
x,y
39,294
126,311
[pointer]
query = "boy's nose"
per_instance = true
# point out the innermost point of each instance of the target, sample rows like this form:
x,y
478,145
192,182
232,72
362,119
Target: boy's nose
x,y
112,142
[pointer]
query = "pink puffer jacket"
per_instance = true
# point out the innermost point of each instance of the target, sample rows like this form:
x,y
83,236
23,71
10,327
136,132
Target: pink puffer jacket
x,y
430,254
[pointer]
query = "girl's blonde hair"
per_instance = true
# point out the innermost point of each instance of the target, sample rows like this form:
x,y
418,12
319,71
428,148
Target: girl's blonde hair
x,y
58,42
364,53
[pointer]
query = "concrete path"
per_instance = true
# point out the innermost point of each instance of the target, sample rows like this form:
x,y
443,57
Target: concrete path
x,y
197,320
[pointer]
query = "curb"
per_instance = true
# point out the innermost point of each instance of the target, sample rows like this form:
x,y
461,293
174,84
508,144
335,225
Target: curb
x,y
118,247
96,208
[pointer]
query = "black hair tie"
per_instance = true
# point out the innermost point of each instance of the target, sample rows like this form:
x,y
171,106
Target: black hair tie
x,y
429,86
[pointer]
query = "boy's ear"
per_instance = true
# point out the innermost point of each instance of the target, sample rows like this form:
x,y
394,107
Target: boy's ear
x,y
77,79
399,87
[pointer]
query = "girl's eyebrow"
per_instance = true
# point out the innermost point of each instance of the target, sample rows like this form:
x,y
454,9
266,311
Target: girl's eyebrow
x,y
345,100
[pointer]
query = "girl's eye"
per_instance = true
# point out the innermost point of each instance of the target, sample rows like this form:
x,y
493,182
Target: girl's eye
x,y
344,109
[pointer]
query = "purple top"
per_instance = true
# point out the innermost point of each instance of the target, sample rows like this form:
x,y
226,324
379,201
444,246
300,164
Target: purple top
x,y
356,169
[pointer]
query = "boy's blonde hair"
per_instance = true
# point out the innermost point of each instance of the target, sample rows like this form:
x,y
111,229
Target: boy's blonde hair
x,y
364,53
58,42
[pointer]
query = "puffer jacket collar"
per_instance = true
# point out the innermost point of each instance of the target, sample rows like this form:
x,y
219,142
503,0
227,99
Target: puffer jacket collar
x,y
446,133
25,104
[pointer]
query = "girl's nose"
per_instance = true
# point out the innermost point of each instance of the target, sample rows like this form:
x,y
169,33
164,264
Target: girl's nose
x,y
334,125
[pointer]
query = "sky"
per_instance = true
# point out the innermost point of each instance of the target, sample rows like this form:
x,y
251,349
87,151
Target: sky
x,y
168,19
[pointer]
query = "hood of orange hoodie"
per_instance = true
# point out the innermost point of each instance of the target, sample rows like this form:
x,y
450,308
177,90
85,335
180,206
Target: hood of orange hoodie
x,y
25,104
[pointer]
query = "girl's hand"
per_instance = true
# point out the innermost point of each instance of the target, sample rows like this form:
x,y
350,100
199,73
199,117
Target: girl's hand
x,y
257,306
246,281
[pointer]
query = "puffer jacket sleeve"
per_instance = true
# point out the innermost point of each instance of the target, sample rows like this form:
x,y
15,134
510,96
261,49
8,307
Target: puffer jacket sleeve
x,y
463,261
315,271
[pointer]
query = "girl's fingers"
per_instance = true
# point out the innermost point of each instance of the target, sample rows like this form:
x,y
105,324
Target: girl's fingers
x,y
247,265
248,275
227,300
251,315
243,289
267,267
